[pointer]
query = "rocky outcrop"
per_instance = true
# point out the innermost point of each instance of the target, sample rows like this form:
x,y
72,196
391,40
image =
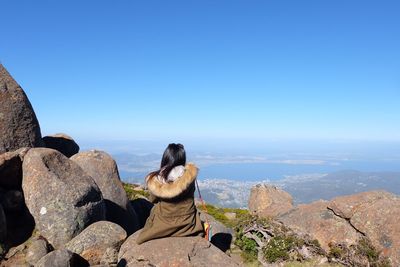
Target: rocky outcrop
x,y
103,169
62,143
11,168
348,219
347,206
376,215
269,201
61,258
27,253
61,197
172,251
19,126
99,243
320,223
16,256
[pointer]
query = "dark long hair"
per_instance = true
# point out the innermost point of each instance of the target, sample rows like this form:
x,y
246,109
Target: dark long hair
x,y
174,155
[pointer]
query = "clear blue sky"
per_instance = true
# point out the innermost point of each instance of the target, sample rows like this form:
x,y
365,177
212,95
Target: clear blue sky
x,y
208,69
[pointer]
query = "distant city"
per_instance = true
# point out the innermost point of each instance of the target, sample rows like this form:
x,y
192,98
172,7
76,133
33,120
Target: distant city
x,y
226,180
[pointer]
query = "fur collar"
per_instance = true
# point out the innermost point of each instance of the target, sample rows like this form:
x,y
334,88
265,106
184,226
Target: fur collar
x,y
174,189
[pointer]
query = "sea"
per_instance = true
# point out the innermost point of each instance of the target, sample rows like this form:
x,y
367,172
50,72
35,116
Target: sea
x,y
277,171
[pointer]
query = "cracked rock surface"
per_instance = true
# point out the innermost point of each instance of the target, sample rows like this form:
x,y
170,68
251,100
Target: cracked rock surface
x,y
172,251
99,243
375,214
320,223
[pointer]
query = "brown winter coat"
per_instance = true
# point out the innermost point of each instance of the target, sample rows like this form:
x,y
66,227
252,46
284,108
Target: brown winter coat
x,y
174,213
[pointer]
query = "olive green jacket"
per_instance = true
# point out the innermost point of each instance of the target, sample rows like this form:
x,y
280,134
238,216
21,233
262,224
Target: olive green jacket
x,y
174,213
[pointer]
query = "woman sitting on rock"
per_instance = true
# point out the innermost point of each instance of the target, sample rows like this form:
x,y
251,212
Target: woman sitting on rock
x,y
172,190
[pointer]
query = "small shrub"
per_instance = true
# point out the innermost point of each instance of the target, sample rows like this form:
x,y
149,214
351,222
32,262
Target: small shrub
x,y
278,248
315,243
248,247
336,252
365,248
361,254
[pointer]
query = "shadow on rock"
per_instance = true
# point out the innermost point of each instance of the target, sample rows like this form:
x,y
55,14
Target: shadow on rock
x,y
122,263
116,214
19,227
222,241
142,208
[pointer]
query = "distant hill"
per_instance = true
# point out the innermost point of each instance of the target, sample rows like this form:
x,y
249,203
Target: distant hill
x,y
340,183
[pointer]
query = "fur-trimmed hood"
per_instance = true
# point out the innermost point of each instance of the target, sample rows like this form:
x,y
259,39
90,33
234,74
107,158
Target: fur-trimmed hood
x,y
174,189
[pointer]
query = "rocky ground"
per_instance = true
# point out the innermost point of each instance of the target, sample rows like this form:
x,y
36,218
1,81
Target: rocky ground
x,y
62,207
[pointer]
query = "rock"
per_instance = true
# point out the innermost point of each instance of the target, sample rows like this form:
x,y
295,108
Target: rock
x,y
12,201
376,214
19,126
172,251
61,197
99,243
21,255
37,249
320,223
15,257
103,169
347,206
269,201
3,226
63,143
61,258
11,168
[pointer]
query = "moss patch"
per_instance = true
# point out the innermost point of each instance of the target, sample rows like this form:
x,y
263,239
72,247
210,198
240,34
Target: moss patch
x,y
248,247
133,193
219,214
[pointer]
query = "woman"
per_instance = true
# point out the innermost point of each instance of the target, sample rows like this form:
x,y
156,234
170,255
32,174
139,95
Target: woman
x,y
172,190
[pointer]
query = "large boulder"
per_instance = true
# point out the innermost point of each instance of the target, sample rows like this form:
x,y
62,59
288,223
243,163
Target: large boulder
x,y
61,197
99,243
61,258
172,251
63,143
375,214
19,126
103,169
269,201
320,223
11,168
